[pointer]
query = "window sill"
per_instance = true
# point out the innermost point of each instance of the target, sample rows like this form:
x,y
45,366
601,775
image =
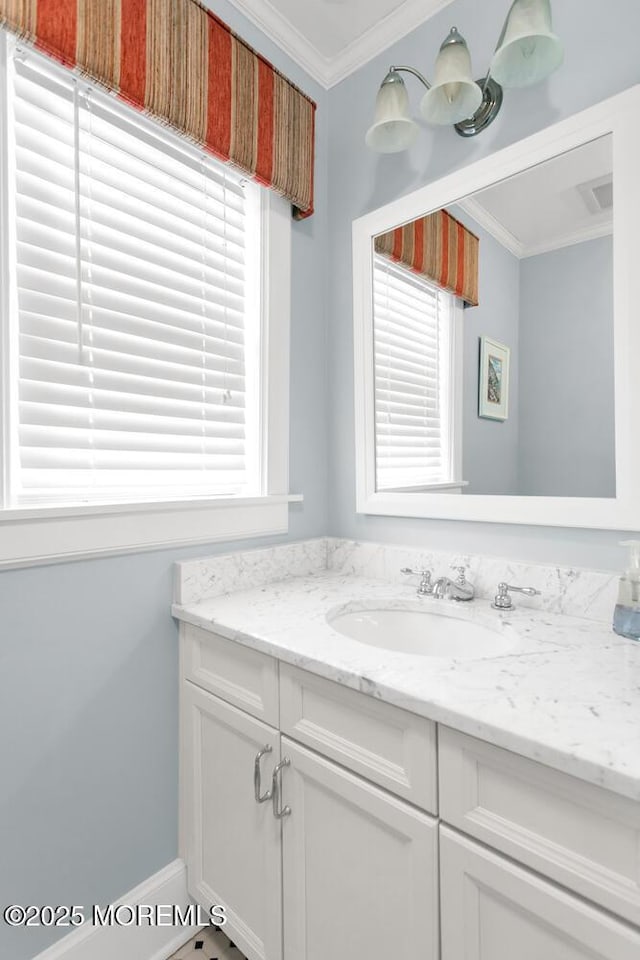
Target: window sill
x,y
452,486
39,535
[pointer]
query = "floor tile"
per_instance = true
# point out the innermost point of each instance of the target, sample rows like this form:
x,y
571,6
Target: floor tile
x,y
209,944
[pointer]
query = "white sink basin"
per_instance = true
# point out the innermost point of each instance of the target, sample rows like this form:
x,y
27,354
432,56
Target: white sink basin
x,y
423,632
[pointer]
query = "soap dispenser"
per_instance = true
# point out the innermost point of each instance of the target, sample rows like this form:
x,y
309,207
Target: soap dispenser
x,y
626,617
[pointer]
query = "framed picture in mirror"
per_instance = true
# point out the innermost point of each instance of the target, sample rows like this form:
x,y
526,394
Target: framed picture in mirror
x,y
493,393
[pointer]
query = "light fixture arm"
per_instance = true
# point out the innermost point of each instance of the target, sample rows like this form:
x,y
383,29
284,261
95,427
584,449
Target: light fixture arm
x,y
412,70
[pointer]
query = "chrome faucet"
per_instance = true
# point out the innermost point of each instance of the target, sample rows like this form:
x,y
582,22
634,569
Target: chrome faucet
x,y
425,587
458,589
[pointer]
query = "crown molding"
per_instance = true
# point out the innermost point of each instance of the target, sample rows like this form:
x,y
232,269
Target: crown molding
x,y
330,71
493,226
590,232
522,250
380,37
284,34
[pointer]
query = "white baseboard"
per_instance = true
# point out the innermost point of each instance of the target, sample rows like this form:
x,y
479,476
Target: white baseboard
x,y
168,886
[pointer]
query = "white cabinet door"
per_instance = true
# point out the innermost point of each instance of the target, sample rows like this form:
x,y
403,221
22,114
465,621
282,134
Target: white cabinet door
x,y
493,909
232,844
360,867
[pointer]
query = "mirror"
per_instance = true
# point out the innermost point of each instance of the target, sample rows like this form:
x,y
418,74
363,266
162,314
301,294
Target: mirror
x,y
494,331
493,338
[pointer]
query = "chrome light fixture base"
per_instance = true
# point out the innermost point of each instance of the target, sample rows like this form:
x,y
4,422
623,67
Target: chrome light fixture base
x,y
486,112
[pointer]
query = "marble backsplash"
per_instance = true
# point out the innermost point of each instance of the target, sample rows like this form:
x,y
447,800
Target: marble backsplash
x,y
197,580
565,590
571,591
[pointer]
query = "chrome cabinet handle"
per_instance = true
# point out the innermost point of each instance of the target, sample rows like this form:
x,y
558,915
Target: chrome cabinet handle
x,y
276,789
256,775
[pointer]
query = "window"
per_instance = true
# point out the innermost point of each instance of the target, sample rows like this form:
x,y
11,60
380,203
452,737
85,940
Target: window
x,y
134,329
416,349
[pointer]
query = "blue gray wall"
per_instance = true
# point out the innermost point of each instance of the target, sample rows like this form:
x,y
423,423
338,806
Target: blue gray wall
x,y
559,438
490,448
567,420
89,654
361,181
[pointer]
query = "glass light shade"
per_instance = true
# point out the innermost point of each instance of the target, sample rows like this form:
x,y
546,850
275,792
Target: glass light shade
x,y
528,50
393,129
455,95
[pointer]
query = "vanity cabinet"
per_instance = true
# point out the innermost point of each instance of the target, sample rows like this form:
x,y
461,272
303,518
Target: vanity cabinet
x,y
401,841
353,870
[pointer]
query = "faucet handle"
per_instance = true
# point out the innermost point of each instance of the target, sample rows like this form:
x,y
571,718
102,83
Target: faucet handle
x,y
462,573
502,599
425,588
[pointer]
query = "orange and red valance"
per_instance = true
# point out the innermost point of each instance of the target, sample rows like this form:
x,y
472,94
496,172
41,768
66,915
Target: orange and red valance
x,y
176,61
439,247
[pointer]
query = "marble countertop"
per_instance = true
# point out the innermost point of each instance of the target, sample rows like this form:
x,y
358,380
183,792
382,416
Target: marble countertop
x,y
567,695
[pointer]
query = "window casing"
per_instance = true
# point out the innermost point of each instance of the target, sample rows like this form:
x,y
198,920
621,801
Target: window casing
x,y
143,342
417,353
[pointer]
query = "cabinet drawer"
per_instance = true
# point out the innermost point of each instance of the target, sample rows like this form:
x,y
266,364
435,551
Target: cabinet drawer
x,y
389,746
576,833
243,677
492,909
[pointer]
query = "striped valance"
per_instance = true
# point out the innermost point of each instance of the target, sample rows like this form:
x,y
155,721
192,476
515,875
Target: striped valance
x,y
439,247
176,61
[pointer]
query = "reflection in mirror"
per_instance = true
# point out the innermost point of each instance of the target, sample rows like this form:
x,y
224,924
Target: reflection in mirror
x,y
493,338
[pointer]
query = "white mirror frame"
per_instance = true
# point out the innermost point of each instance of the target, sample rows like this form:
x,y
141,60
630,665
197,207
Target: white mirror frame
x,y
618,117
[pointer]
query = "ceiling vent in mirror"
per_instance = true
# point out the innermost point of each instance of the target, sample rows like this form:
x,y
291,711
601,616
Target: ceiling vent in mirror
x,y
598,194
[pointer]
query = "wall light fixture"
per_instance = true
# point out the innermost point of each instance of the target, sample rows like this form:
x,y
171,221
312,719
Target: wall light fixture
x,y
528,51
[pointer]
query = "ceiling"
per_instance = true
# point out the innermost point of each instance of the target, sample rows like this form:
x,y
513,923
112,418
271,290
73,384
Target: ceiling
x,y
332,38
552,205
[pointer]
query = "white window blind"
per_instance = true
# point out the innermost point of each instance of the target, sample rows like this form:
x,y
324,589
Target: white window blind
x,y
413,382
135,304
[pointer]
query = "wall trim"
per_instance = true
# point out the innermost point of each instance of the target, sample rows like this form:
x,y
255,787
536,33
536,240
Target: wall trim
x,y
33,541
328,71
168,886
